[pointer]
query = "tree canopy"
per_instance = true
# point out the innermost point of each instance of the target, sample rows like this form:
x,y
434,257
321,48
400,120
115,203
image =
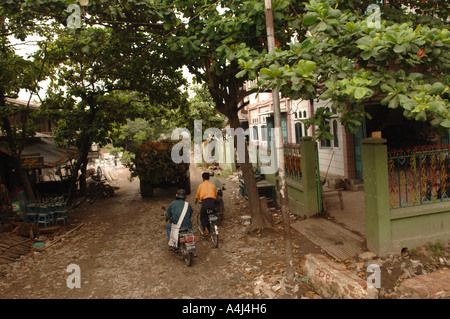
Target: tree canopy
x,y
347,58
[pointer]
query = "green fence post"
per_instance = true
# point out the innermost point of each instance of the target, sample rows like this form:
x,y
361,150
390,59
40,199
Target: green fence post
x,y
376,189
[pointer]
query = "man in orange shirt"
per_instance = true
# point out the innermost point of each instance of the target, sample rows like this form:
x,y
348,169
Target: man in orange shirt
x,y
207,194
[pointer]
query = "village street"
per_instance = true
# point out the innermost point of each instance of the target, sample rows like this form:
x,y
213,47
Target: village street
x,y
121,250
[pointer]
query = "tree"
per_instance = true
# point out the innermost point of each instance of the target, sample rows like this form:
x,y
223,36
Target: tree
x,y
348,58
209,43
210,39
18,72
93,89
201,107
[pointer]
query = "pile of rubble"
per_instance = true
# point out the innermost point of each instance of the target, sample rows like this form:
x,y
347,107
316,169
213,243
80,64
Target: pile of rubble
x,y
395,269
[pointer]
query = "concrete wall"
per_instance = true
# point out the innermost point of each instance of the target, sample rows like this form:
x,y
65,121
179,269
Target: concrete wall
x,y
390,230
303,197
418,225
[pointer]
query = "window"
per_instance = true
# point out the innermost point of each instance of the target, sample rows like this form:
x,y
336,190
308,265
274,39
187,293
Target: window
x,y
334,130
325,142
298,132
263,132
255,133
335,134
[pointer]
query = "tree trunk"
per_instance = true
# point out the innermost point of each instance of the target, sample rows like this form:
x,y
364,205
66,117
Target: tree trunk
x,y
284,201
73,182
79,165
26,185
260,219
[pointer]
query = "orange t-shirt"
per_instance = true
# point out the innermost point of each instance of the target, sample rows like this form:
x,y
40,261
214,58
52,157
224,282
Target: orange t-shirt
x,y
206,190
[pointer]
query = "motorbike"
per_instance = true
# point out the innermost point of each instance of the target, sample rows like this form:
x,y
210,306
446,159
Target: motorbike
x,y
186,245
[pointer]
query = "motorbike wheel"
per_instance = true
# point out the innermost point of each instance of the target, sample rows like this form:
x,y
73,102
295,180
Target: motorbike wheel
x,y
188,257
214,236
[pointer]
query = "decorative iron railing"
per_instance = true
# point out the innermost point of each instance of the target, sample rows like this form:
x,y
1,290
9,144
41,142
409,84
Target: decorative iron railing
x,y
419,175
292,161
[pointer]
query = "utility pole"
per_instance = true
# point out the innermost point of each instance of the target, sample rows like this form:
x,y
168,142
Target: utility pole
x,y
279,141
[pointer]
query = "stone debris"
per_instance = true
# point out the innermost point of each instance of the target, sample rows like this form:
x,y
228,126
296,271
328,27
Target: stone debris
x,y
119,261
367,255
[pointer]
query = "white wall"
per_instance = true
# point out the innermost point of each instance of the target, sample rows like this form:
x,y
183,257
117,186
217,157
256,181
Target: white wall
x,y
332,152
300,110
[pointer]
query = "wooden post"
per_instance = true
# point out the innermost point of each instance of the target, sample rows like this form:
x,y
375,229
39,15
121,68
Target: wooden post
x,y
284,200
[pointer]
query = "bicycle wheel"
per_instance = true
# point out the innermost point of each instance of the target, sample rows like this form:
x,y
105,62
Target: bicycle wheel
x,y
214,235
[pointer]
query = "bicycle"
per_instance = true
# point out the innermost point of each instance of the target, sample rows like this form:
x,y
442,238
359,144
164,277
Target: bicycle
x,y
213,218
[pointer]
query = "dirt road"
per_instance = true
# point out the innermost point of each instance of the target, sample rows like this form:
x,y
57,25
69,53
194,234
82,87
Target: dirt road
x,y
122,252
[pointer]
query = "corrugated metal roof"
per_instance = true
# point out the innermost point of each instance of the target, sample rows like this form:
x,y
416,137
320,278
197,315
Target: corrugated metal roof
x,y
22,103
46,148
52,155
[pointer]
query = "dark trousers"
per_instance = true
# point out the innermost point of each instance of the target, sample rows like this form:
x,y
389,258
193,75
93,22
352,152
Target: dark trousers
x,y
207,203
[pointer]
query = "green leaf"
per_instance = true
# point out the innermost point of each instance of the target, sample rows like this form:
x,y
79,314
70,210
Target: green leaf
x,y
391,38
241,74
386,88
436,88
332,22
366,55
326,95
359,93
399,48
446,123
393,103
387,99
310,18
364,43
408,104
414,76
306,67
350,26
322,26
421,116
86,49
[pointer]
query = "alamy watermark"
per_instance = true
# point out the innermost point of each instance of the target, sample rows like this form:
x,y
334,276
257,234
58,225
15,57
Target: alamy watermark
x,y
374,280
374,18
221,149
74,19
74,279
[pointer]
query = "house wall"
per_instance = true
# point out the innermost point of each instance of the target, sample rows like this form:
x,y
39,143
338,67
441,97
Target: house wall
x,y
332,155
336,158
299,110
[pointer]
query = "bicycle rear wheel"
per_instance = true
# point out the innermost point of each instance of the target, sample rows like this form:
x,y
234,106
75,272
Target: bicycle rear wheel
x,y
214,236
